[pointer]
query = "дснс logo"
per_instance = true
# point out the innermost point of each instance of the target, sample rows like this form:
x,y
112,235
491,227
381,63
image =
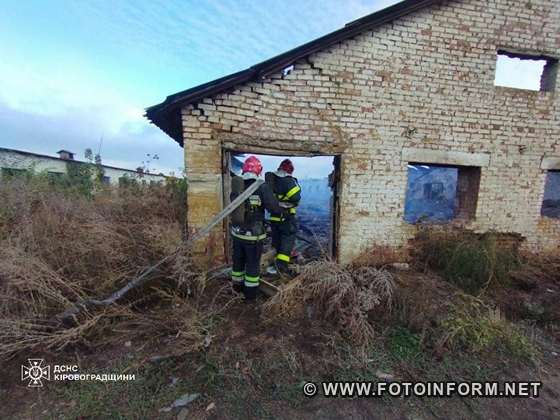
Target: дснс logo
x,y
35,371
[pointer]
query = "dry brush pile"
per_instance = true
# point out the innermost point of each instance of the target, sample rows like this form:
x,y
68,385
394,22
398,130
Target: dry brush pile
x,y
346,296
58,247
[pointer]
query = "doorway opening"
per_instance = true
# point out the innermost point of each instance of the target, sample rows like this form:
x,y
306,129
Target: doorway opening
x,y
317,212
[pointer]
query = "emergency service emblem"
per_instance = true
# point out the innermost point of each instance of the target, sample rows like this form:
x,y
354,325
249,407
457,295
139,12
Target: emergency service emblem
x,y
35,372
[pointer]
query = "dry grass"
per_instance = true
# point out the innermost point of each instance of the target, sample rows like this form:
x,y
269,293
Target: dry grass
x,y
185,323
58,247
474,262
449,320
380,256
543,267
345,296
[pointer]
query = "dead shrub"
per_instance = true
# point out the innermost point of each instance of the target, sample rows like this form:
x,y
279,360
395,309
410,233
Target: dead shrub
x,y
29,286
58,247
19,334
187,276
344,295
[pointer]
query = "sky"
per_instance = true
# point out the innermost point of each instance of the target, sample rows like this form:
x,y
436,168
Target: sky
x,y
304,167
78,74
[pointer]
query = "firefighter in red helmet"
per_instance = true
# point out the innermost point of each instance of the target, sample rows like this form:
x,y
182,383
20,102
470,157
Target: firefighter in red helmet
x,y
284,225
248,229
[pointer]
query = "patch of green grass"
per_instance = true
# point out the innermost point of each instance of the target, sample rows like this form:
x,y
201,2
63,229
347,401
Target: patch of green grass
x,y
150,391
347,363
472,328
469,261
243,385
215,375
291,392
405,345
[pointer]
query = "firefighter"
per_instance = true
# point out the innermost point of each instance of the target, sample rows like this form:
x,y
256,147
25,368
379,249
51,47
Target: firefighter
x,y
284,226
249,233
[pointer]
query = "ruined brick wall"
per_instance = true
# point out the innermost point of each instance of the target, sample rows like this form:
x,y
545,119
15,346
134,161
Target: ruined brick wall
x,y
421,87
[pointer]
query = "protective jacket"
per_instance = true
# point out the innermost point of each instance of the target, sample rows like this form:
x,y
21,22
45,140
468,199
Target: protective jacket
x,y
252,229
284,226
248,233
288,192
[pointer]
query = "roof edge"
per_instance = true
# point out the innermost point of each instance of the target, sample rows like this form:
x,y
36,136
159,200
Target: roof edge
x,y
166,115
81,162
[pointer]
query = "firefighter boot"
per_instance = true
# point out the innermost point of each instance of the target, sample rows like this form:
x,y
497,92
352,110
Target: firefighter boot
x,y
284,269
250,294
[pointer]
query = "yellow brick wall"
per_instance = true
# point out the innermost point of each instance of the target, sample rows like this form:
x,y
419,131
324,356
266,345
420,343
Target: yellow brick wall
x,y
425,81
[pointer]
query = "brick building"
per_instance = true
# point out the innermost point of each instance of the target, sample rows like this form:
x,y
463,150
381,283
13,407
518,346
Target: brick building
x,y
411,84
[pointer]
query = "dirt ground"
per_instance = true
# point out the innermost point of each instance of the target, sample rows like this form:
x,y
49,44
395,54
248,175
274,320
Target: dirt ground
x,y
254,368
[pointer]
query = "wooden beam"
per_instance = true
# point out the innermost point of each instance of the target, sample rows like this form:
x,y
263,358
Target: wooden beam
x,y
268,288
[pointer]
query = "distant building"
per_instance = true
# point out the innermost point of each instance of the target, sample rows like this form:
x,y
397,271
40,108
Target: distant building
x,y
65,154
14,161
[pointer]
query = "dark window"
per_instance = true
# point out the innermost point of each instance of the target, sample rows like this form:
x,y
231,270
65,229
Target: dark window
x,y
439,194
525,71
126,181
106,180
551,201
8,173
54,177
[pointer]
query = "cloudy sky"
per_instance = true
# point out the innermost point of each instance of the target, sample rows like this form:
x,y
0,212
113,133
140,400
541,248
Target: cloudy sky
x,y
73,72
78,73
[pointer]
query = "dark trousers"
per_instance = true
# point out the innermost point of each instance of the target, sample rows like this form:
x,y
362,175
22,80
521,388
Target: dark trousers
x,y
283,241
247,265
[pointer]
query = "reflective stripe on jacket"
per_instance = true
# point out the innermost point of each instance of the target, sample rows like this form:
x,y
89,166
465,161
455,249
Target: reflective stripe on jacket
x,y
247,236
287,190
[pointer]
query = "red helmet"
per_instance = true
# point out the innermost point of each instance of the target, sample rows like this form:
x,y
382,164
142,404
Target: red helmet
x,y
287,166
252,164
